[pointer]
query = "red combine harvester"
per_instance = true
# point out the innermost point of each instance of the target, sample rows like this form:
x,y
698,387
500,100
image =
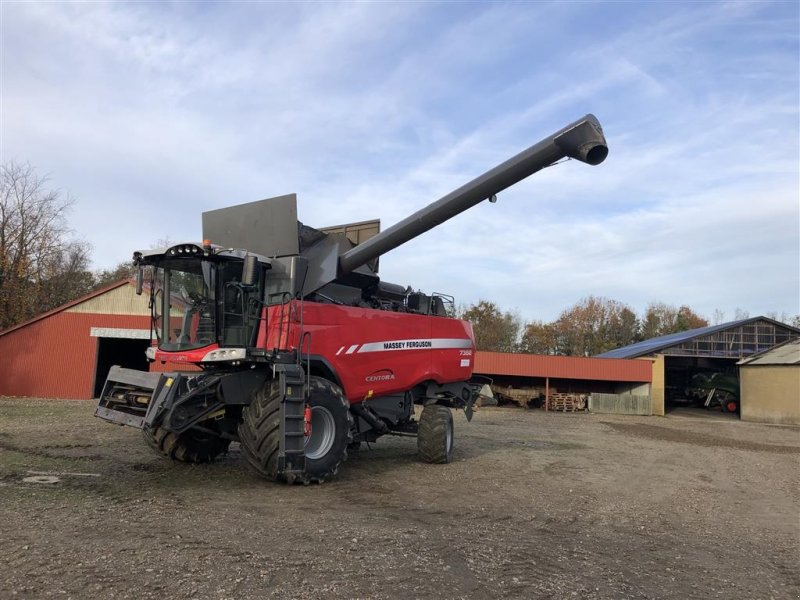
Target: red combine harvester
x,y
303,351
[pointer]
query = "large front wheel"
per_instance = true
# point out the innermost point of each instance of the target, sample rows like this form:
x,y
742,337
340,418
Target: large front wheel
x,y
325,446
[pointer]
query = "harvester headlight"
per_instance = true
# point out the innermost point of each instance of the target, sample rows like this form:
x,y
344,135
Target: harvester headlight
x,y
150,353
224,354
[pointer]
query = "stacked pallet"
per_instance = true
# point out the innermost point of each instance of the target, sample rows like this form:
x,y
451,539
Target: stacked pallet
x,y
567,402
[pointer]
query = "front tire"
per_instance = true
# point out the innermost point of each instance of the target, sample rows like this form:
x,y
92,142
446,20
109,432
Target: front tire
x,y
325,448
192,446
435,434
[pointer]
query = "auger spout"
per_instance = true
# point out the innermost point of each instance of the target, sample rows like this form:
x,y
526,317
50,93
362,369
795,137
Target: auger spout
x,y
582,140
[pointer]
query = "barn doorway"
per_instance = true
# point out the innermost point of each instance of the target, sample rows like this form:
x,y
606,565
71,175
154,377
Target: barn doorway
x,y
124,352
702,383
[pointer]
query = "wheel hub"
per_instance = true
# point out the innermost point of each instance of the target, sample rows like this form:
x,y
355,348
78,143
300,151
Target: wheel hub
x,y
322,433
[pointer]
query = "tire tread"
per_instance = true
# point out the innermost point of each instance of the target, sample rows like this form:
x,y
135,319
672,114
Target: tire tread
x,y
259,432
182,447
432,434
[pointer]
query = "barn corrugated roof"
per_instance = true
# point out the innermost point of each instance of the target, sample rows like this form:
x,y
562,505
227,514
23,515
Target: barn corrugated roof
x,y
787,353
656,344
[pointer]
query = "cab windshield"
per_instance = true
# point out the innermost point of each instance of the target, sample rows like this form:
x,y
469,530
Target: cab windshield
x,y
183,290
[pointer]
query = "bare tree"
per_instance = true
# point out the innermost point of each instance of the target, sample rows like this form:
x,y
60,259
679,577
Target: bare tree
x,y
784,317
41,266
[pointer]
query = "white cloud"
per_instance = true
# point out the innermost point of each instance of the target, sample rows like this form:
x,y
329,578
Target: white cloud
x,y
150,114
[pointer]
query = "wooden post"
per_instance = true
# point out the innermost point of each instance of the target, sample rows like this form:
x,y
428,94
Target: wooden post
x,y
546,394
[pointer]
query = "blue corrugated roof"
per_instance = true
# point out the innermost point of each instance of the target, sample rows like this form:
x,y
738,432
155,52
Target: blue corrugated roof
x,y
654,345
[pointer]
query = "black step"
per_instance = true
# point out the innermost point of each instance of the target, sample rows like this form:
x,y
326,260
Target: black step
x,y
291,454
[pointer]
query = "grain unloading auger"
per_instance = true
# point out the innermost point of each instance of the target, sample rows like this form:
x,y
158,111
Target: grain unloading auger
x,y
299,350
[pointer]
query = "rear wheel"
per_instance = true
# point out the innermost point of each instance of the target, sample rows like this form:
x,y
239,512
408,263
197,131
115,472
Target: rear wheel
x,y
326,445
435,434
191,446
728,402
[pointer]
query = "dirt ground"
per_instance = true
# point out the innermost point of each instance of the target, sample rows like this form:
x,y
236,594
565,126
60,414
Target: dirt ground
x,y
535,505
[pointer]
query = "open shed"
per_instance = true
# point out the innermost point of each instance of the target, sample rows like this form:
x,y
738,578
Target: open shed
x,y
623,385
684,362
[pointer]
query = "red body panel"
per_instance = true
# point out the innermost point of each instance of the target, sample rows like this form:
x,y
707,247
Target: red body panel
x,y
374,352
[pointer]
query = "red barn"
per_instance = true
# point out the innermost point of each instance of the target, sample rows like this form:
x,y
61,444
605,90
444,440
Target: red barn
x,y
67,352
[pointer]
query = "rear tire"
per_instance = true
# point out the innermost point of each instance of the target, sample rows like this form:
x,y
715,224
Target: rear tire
x,y
326,447
731,406
192,446
435,434
728,402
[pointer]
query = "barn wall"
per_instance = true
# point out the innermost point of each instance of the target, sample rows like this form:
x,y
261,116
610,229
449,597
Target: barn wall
x,y
640,389
55,357
658,384
770,394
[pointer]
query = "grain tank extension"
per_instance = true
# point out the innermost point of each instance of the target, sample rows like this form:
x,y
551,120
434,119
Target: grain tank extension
x,y
299,351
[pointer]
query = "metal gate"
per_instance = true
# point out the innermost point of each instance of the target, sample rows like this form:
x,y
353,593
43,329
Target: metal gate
x,y
620,404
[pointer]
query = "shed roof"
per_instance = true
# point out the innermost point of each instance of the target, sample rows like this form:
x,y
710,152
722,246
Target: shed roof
x,y
658,344
787,353
563,367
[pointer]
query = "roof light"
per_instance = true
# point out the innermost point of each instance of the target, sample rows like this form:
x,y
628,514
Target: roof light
x,y
184,249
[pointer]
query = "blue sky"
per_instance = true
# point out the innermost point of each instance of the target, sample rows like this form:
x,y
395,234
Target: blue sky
x,y
150,113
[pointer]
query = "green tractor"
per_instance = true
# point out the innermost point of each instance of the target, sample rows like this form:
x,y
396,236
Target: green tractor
x,y
717,389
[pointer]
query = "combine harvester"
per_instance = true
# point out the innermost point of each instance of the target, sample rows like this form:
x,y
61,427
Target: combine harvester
x,y
303,351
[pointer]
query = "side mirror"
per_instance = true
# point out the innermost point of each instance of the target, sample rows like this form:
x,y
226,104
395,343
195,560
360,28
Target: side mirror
x,y
139,280
250,270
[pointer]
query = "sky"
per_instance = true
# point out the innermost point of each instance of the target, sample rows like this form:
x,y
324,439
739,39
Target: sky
x,y
149,113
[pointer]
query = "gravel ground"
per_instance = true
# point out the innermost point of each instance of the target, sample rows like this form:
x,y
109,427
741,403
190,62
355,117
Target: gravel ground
x,y
535,505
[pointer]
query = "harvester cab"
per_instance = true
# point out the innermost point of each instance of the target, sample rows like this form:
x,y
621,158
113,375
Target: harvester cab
x,y
201,298
292,345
